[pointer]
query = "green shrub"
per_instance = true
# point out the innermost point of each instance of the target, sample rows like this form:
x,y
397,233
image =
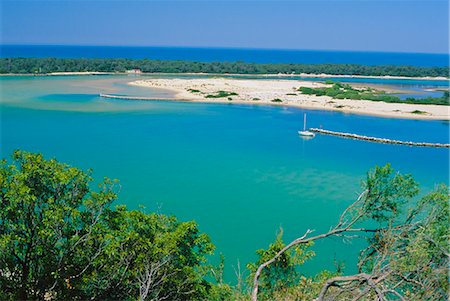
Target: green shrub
x,y
221,94
345,91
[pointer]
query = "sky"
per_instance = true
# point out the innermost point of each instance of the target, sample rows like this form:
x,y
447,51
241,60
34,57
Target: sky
x,y
362,25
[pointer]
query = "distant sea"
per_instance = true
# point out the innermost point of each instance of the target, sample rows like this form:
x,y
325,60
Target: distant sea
x,y
228,55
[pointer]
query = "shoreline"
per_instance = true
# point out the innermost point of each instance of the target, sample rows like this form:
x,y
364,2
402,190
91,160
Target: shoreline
x,y
356,112
281,75
256,92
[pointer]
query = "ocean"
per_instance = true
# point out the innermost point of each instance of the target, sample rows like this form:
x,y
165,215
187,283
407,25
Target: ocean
x,y
240,171
228,54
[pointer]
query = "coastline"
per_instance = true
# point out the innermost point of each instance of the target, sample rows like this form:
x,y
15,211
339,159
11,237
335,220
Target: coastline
x,y
256,92
281,75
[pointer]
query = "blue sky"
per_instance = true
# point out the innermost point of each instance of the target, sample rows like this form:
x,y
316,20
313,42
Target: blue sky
x,y
369,25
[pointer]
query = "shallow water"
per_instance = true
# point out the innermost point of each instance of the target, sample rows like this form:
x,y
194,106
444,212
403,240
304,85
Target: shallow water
x,y
240,171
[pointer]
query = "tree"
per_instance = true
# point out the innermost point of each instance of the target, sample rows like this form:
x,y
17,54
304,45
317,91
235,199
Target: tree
x,y
408,253
152,256
48,219
282,272
61,240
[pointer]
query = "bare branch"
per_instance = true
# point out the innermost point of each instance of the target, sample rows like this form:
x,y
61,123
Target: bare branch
x,y
341,226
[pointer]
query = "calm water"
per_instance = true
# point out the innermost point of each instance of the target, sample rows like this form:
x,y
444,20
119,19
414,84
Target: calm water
x,y
240,171
228,54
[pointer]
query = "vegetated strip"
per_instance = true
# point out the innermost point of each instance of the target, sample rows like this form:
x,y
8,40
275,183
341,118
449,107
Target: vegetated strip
x,y
379,140
50,65
339,90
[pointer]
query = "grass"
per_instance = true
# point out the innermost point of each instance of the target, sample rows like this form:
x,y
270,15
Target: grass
x,y
221,94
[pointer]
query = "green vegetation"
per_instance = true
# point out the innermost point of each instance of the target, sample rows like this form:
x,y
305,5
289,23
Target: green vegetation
x,y
418,112
345,91
194,90
291,94
48,65
276,100
220,94
443,100
407,252
62,240
282,273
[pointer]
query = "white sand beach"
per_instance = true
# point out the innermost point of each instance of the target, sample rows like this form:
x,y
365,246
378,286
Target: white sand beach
x,y
260,91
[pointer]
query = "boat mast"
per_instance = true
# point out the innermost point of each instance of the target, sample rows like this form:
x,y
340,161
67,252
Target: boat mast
x,y
304,122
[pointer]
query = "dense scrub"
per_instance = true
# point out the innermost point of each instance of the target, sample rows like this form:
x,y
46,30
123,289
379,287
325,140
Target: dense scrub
x,y
60,239
47,65
345,91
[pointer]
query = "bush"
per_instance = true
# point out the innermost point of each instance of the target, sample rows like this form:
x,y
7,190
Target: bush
x,y
220,94
60,237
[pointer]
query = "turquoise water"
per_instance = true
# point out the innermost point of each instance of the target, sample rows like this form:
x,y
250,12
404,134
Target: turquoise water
x,y
240,171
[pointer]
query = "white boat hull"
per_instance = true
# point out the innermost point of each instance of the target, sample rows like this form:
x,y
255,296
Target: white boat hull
x,y
306,133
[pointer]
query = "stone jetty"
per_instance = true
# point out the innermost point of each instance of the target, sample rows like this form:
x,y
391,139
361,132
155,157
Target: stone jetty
x,y
378,140
126,97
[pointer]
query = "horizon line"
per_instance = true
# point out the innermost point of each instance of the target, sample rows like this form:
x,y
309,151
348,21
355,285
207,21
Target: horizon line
x,y
224,47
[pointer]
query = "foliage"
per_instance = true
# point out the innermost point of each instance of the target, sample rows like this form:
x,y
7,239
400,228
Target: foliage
x,y
407,253
283,273
387,192
222,290
220,94
412,254
48,65
443,100
59,239
48,219
418,112
345,91
276,100
149,250
305,289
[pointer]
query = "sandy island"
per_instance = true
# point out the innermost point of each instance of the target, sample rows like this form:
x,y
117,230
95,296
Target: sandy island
x,y
259,91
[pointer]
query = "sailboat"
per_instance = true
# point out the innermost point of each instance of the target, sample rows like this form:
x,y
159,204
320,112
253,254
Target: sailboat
x,y
305,132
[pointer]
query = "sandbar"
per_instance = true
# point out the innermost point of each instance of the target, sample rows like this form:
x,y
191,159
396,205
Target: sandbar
x,y
260,91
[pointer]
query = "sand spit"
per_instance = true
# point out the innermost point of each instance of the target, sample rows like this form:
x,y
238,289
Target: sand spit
x,y
284,92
